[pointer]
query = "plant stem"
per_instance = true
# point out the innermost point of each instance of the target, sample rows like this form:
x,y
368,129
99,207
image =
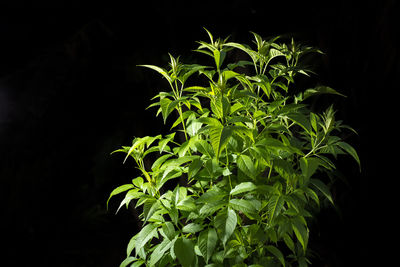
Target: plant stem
x,y
270,170
315,148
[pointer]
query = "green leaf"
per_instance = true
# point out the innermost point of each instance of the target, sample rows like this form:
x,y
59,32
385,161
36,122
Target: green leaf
x,y
236,107
171,164
225,222
229,74
154,208
219,137
289,242
163,142
160,250
131,245
207,242
274,145
204,148
184,251
242,205
193,125
187,204
119,190
311,193
301,232
226,172
127,261
145,235
217,58
250,52
309,166
301,120
277,253
243,187
191,69
220,106
170,173
275,205
156,165
210,208
320,90
350,150
313,120
323,188
212,195
169,230
132,194
209,35
162,71
273,53
194,168
240,63
167,106
244,132
192,228
195,88
139,144
246,165
210,121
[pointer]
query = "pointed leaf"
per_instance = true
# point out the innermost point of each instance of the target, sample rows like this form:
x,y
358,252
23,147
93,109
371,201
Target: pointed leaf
x,y
243,187
156,165
132,194
159,70
154,208
211,207
323,188
246,165
127,261
184,251
207,242
131,245
320,90
212,195
275,205
219,137
119,190
226,222
193,125
192,228
217,58
351,151
194,168
301,232
192,69
309,166
163,142
167,106
301,120
145,235
242,205
277,253
160,250
289,242
169,230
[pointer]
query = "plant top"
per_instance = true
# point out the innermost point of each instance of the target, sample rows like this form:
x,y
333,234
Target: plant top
x,y
251,157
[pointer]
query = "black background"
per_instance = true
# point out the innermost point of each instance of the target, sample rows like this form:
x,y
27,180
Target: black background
x,y
70,93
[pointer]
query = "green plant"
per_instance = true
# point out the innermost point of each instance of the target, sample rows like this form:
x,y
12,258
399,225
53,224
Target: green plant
x,y
250,163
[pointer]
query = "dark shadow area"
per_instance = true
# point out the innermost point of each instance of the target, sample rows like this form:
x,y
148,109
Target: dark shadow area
x,y
70,94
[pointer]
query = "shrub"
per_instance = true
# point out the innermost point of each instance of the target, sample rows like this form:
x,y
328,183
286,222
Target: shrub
x,y
251,161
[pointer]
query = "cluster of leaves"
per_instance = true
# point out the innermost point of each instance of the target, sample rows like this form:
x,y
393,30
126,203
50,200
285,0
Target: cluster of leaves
x,y
251,157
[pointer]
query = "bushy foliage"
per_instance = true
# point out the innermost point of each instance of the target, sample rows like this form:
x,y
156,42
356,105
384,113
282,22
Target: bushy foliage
x,y
251,161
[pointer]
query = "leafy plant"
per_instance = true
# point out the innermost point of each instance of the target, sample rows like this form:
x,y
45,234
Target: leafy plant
x,y
253,161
